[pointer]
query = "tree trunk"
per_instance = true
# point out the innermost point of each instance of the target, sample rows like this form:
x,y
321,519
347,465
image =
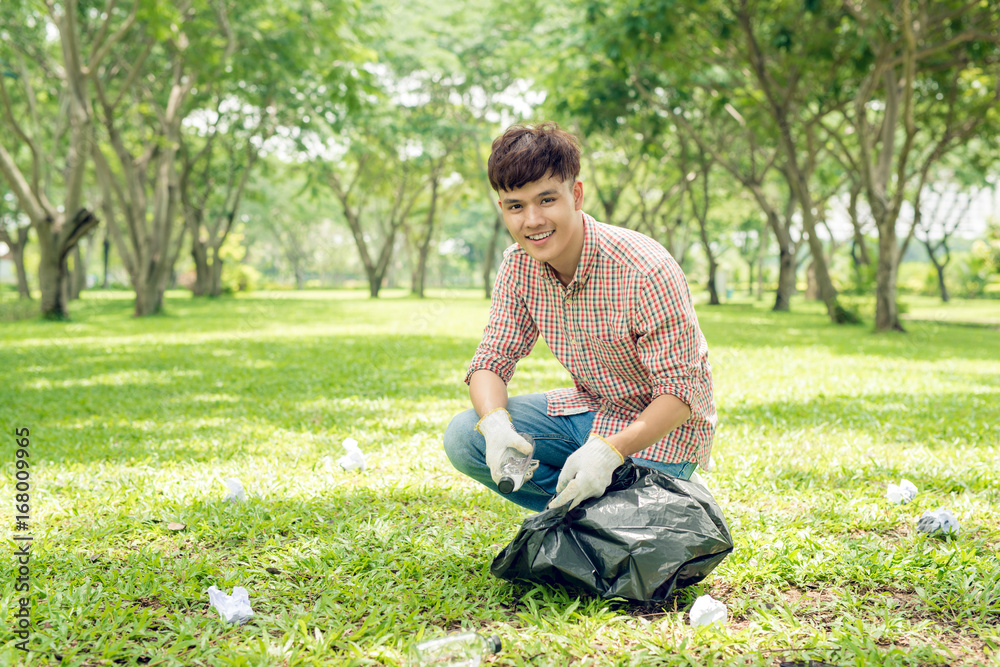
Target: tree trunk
x,y
202,276
421,273
107,252
827,292
490,254
51,276
786,250
942,285
713,293
812,287
215,278
148,299
425,244
939,268
760,277
17,253
786,279
859,245
78,276
886,313
23,290
374,281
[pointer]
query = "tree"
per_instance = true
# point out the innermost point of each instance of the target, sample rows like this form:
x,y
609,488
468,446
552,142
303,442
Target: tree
x,y
283,65
494,86
698,196
753,166
944,209
14,230
437,128
789,56
929,78
55,146
377,183
137,159
211,193
680,61
751,242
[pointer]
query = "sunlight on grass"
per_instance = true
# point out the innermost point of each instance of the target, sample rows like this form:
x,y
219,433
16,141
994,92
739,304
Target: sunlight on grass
x,y
135,423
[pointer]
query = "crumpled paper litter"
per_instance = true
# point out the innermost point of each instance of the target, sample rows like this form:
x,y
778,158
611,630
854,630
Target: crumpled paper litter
x,y
233,608
902,493
236,492
353,459
707,610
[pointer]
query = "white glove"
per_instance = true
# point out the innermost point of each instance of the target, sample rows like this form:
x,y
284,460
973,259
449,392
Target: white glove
x,y
499,432
587,472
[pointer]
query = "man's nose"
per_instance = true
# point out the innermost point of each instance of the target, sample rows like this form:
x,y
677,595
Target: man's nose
x,y
533,216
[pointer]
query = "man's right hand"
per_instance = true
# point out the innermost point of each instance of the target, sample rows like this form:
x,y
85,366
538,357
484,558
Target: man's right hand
x,y
499,432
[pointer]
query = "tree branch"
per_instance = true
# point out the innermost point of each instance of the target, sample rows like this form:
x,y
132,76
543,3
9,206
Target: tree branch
x,y
22,190
20,132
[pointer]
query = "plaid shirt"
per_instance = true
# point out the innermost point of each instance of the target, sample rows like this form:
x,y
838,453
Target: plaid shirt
x,y
624,328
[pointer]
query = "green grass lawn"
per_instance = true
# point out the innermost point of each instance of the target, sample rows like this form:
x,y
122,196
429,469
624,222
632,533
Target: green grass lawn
x,y
134,424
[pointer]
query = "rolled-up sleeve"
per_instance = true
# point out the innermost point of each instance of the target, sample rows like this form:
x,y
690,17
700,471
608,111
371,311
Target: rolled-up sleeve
x,y
511,332
670,343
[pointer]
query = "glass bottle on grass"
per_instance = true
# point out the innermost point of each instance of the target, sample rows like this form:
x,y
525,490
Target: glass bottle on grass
x,y
466,649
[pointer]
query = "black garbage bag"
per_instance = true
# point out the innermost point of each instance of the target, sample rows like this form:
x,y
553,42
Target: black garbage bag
x,y
648,535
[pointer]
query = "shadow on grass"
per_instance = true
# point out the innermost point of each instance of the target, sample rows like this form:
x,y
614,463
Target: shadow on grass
x,y
177,401
923,340
971,417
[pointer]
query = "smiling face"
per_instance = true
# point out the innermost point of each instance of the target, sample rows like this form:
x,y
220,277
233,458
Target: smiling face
x,y
545,219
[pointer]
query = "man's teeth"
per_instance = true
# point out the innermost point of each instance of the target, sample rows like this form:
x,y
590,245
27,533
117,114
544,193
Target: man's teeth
x,y
539,237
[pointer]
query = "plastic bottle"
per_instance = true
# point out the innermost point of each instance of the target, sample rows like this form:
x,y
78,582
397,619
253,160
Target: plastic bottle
x,y
516,468
460,650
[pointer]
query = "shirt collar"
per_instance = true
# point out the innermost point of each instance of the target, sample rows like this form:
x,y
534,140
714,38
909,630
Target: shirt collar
x,y
588,255
588,259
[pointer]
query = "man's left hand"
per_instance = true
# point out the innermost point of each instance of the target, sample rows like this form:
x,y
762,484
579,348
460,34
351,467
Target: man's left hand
x,y
587,472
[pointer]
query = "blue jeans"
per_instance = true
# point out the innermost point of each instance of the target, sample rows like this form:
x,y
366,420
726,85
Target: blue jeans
x,y
555,439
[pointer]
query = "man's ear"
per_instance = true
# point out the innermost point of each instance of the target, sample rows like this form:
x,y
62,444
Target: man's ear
x,y
578,195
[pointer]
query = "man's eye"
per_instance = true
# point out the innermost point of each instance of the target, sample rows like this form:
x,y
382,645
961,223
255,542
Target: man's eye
x,y
514,206
548,199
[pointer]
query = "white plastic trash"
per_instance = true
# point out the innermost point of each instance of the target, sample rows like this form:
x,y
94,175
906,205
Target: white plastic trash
x,y
707,610
236,493
233,608
902,493
353,459
938,521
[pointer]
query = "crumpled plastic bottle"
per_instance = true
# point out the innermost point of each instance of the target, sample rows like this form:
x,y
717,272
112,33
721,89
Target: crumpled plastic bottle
x,y
466,649
939,521
353,459
706,610
233,608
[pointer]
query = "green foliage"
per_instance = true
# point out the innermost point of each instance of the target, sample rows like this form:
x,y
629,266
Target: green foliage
x,y
239,277
350,568
980,268
988,249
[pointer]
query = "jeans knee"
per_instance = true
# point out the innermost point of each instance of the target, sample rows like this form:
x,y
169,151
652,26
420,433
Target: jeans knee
x,y
458,440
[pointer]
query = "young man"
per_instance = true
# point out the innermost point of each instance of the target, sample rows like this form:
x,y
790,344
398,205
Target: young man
x,y
614,308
